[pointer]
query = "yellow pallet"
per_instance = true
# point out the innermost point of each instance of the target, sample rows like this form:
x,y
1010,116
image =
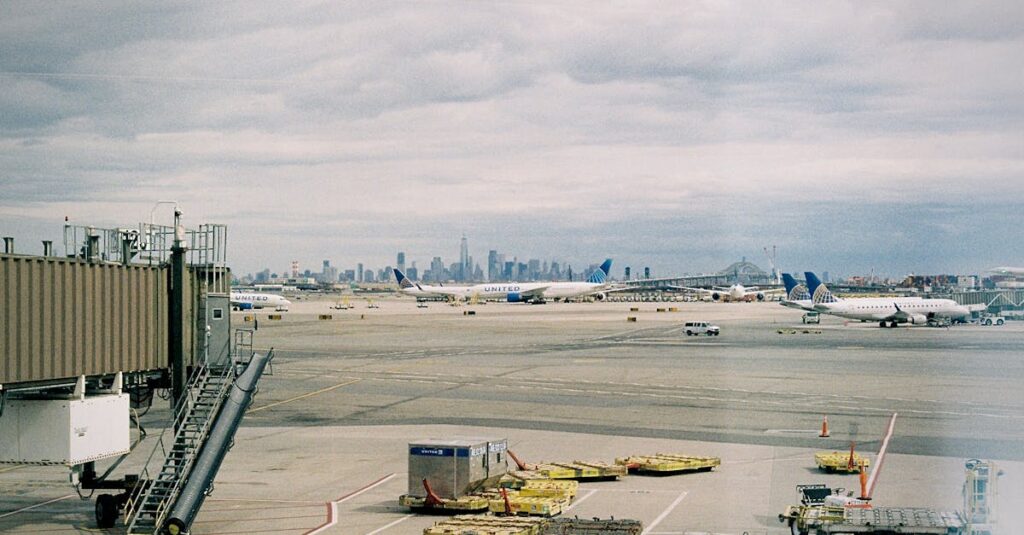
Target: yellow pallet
x,y
666,463
526,505
579,470
486,525
464,504
526,480
839,461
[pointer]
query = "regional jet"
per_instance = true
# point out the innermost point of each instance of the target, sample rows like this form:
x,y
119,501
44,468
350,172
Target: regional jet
x,y
887,311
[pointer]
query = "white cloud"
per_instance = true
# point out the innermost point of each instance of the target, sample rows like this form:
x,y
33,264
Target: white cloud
x,y
470,114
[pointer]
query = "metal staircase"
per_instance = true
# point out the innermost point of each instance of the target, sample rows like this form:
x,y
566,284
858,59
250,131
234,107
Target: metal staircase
x,y
177,447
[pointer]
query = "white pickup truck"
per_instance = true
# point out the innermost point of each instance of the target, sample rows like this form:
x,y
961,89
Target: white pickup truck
x,y
697,328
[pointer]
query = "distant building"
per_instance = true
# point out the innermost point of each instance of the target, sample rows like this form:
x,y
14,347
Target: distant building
x,y
368,275
493,269
627,273
464,269
400,260
360,274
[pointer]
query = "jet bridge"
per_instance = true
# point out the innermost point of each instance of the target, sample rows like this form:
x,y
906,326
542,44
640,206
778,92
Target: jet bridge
x,y
89,335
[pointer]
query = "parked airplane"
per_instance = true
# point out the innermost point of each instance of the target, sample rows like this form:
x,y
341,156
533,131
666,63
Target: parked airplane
x,y
539,292
247,300
736,292
422,291
517,292
797,294
887,311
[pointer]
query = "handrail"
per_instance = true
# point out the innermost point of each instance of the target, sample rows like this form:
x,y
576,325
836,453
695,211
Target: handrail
x,y
138,493
164,508
142,491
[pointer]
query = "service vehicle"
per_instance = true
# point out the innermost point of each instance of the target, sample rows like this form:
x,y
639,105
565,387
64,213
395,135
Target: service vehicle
x,y
812,317
992,320
697,328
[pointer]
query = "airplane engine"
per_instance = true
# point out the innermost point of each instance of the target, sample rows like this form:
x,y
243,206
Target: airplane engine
x,y
918,319
600,296
514,297
716,296
760,296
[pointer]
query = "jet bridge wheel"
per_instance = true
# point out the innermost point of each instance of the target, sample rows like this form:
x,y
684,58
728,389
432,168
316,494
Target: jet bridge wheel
x,y
107,511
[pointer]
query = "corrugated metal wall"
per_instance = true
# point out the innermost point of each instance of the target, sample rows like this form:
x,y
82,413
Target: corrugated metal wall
x,y
63,318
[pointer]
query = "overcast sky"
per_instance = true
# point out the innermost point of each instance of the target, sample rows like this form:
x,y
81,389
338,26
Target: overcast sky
x,y
679,135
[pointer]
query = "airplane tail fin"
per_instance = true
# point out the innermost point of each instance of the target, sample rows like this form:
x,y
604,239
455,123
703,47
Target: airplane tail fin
x,y
403,281
601,274
819,292
795,291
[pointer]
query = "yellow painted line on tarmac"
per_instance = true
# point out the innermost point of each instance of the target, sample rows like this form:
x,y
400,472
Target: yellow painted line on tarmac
x,y
304,396
11,468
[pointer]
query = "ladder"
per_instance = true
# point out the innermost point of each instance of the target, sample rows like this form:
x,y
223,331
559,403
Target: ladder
x,y
177,448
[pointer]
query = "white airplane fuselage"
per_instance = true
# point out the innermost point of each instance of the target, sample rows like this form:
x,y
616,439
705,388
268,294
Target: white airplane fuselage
x,y
260,300
912,310
533,290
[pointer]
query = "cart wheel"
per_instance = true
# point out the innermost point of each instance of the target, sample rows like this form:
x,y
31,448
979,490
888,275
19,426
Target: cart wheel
x,y
106,511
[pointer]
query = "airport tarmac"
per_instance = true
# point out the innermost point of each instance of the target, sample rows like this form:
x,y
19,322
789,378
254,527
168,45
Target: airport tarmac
x,y
326,437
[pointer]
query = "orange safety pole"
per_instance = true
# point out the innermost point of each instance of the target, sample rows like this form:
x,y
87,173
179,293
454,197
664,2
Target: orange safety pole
x,y
520,464
824,427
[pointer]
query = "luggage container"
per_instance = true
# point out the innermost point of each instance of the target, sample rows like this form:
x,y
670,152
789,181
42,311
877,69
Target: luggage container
x,y
456,467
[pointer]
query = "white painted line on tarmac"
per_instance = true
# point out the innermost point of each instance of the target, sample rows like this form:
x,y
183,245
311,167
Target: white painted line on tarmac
x,y
332,507
582,499
665,513
29,508
400,520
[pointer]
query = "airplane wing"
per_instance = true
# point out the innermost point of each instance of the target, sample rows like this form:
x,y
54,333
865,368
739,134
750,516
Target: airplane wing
x,y
534,292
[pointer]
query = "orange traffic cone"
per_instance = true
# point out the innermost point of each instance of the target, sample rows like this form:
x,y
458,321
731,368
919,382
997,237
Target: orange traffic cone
x,y
824,427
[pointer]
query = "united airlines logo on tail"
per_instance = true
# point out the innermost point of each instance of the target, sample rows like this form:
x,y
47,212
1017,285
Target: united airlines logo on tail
x,y
601,275
799,293
403,281
822,295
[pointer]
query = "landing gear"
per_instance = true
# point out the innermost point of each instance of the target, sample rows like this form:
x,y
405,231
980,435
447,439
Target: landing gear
x,y
107,511
881,324
893,324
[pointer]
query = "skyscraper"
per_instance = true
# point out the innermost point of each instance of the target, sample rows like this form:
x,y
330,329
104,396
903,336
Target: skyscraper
x,y
401,261
465,268
493,269
359,272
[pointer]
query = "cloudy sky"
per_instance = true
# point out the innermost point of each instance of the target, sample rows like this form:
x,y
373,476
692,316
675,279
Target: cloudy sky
x,y
679,135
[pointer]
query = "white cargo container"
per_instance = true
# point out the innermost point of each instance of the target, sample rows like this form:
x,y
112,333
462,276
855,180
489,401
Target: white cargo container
x,y
64,431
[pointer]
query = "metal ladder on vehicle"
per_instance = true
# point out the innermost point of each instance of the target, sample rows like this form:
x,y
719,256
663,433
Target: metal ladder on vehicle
x,y
155,495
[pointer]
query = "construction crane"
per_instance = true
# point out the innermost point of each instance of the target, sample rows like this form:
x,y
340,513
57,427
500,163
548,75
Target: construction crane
x,y
771,261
